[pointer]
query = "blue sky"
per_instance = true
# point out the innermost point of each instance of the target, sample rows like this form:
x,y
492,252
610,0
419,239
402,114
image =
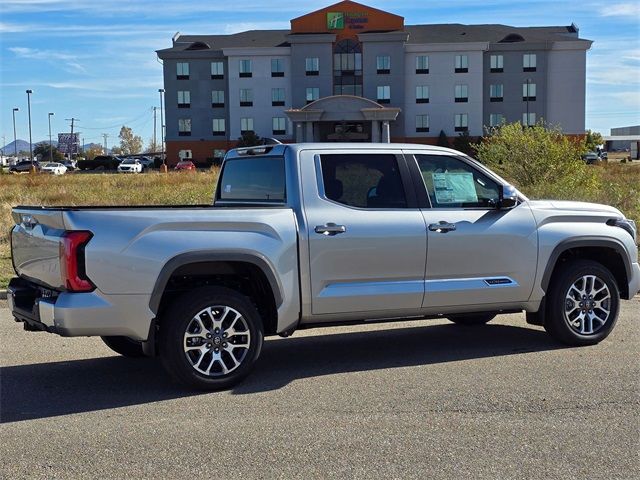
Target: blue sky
x,y
95,59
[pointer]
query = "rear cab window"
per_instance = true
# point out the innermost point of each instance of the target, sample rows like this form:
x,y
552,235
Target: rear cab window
x,y
253,180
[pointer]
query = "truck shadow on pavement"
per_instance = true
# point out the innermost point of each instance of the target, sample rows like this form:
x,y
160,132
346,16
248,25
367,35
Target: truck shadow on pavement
x,y
61,388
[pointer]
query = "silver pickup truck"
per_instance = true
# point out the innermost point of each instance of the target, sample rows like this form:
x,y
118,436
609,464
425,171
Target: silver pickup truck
x,y
313,235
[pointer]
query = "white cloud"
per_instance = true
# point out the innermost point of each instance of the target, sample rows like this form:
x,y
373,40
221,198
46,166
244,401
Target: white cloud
x,y
13,27
38,54
631,10
68,61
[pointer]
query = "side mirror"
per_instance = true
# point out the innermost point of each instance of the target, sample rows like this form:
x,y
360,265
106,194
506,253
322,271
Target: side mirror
x,y
508,197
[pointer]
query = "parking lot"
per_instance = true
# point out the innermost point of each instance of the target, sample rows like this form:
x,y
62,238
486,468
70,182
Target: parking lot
x,y
419,399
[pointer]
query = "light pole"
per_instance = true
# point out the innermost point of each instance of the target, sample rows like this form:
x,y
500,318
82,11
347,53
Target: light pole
x,y
50,143
29,92
164,165
15,140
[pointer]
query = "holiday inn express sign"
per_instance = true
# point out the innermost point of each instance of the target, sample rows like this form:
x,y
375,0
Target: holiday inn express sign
x,y
347,19
342,20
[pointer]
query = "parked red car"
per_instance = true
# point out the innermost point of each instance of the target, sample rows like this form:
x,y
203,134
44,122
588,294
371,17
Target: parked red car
x,y
185,165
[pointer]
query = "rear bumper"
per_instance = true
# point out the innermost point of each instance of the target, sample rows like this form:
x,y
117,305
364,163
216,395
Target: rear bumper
x,y
79,314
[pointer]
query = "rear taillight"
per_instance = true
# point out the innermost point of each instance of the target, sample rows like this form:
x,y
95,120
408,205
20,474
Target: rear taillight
x,y
72,264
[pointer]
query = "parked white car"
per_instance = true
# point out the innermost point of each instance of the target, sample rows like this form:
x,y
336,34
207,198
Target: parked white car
x,y
54,168
130,165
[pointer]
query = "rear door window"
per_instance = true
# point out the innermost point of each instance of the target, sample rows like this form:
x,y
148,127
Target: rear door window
x,y
363,180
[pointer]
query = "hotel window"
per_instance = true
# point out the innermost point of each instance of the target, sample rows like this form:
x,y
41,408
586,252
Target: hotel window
x,y
528,119
422,123
496,93
217,98
422,64
383,64
347,68
184,98
217,70
312,66
461,122
246,97
497,63
277,67
277,97
529,62
313,94
422,94
528,92
245,69
219,126
184,127
182,70
462,64
279,125
384,94
461,94
496,119
246,125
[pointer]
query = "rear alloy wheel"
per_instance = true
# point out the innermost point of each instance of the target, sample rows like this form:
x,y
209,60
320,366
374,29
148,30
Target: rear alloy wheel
x,y
584,303
469,319
210,338
125,346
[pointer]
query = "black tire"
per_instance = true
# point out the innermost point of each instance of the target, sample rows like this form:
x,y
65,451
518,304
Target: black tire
x,y
125,346
470,319
181,315
558,322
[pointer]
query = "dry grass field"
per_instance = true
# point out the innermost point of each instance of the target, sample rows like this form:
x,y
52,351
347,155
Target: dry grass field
x,y
619,185
183,188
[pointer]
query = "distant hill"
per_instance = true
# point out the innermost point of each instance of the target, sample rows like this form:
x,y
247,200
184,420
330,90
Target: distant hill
x,y
23,146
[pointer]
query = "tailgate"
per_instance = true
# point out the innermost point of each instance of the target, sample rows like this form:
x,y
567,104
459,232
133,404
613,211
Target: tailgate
x,y
35,244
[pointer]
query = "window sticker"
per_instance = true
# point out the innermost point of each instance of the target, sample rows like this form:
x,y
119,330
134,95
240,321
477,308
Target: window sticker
x,y
227,189
454,188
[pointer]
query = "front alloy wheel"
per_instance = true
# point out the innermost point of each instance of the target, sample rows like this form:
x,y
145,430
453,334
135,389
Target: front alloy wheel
x,y
210,338
583,303
588,305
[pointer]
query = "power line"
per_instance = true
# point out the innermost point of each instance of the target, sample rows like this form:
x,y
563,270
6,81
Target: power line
x,y
118,125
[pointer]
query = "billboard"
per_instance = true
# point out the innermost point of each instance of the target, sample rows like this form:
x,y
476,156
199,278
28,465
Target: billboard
x,y
68,143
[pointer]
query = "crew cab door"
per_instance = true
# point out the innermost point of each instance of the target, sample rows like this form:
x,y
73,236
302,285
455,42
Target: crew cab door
x,y
366,234
476,254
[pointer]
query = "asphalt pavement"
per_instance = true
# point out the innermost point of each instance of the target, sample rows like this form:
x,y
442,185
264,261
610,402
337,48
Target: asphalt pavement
x,y
418,399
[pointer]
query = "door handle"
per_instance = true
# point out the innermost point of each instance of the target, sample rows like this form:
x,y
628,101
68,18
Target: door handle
x,y
330,229
442,227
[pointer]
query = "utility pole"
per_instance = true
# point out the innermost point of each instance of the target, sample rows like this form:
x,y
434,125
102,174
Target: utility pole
x,y
71,140
164,164
29,92
154,129
105,135
15,140
50,143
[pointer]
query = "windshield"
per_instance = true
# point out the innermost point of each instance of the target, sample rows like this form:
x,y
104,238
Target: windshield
x,y
129,161
250,179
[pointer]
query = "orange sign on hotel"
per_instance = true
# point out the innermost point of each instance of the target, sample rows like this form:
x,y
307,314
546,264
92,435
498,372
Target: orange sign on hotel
x,y
347,19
